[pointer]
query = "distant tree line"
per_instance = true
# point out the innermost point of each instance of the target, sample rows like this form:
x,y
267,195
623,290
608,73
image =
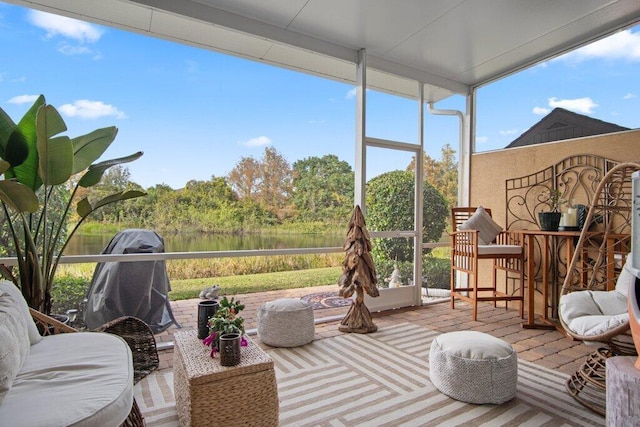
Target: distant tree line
x,y
311,194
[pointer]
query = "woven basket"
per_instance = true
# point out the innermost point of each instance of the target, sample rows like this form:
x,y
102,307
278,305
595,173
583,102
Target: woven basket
x,y
210,394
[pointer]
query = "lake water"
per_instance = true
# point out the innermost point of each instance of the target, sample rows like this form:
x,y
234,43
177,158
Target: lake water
x,y
94,244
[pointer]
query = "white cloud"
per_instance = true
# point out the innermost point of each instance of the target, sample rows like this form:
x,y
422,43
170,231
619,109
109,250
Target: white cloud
x,y
508,132
630,96
56,25
541,111
259,141
623,45
351,94
69,50
23,99
85,109
481,139
579,105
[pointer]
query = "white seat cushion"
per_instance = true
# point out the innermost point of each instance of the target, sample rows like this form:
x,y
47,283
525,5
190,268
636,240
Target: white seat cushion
x,y
473,367
79,379
499,250
589,313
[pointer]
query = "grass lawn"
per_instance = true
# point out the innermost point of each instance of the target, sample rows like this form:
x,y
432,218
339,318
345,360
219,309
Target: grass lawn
x,y
232,285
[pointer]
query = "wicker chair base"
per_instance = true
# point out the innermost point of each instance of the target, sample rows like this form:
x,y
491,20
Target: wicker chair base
x,y
135,418
588,385
141,341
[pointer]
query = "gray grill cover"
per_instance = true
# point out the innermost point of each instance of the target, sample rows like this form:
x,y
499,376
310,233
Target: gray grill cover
x,y
138,288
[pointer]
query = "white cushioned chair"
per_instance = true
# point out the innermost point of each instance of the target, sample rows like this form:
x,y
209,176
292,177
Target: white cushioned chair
x,y
60,379
598,315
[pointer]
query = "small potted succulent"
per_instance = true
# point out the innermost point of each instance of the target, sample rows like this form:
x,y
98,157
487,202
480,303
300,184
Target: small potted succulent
x,y
550,220
224,325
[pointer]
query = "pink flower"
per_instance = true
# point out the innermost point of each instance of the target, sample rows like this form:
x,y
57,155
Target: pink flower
x,y
210,339
243,341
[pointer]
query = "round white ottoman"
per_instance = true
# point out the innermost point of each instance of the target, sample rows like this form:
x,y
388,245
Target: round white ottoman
x,y
473,367
286,322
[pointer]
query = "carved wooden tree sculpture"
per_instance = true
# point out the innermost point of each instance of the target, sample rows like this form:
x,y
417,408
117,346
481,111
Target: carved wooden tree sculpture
x,y
358,276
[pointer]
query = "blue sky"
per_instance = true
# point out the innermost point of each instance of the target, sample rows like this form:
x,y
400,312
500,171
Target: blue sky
x,y
196,113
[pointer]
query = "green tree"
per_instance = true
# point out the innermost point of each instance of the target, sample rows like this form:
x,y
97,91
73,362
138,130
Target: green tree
x,y
323,188
115,179
204,206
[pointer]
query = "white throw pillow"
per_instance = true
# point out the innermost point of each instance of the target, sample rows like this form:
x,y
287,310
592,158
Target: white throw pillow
x,y
14,341
32,329
486,226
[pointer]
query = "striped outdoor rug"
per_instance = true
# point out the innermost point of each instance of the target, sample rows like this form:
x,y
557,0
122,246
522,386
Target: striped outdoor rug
x,y
382,379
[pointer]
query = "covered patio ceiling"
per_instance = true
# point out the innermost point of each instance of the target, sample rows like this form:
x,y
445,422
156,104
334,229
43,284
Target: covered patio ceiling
x,y
453,46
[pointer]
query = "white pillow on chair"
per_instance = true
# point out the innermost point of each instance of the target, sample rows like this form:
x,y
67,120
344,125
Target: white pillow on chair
x,y
487,228
21,305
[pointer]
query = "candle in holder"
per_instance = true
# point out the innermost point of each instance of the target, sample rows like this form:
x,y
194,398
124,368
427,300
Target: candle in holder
x,y
571,217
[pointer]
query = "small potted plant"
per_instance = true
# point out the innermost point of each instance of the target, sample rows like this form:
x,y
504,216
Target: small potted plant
x,y
550,220
226,322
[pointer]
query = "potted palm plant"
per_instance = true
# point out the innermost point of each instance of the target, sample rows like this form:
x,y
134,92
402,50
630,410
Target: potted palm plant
x,y
550,220
43,173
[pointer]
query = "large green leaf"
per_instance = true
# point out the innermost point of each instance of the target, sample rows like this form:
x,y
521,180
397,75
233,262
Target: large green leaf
x,y
56,160
95,172
27,172
88,148
55,155
17,149
18,196
6,129
84,208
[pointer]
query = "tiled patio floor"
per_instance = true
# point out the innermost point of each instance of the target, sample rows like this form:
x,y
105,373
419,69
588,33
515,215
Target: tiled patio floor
x,y
548,348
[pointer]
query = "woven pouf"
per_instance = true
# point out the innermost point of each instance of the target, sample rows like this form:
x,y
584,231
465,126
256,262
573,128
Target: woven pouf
x,y
473,367
286,322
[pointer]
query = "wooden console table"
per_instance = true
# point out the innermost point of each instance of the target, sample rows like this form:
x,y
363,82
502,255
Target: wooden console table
x,y
550,278
549,242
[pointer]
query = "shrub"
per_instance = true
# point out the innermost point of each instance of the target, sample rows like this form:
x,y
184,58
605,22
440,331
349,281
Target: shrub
x,y
390,206
437,272
68,293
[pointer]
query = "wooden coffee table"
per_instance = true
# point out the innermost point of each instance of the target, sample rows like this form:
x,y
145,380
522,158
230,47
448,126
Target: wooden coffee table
x,y
209,394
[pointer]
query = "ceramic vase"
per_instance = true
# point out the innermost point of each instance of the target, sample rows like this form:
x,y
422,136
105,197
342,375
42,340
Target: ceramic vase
x,y
229,346
206,309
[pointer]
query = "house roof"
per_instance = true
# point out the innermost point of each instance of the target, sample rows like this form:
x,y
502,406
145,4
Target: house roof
x,y
562,124
453,46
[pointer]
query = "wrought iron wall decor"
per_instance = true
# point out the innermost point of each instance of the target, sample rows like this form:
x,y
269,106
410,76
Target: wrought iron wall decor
x,y
576,177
